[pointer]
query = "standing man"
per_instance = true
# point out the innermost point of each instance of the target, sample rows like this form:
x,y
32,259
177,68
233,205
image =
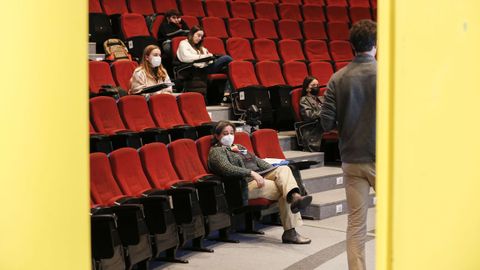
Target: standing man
x,y
350,105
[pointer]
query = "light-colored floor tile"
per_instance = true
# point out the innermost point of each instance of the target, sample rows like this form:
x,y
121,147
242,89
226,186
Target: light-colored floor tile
x,y
267,251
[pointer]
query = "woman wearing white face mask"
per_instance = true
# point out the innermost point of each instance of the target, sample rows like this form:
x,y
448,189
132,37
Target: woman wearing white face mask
x,y
264,181
149,73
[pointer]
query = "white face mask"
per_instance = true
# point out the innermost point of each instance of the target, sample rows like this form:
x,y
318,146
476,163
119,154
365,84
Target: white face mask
x,y
155,61
227,140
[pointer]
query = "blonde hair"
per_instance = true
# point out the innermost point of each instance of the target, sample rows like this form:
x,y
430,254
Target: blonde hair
x,y
161,72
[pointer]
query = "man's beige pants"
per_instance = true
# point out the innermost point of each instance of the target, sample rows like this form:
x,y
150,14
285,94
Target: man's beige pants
x,y
358,180
277,185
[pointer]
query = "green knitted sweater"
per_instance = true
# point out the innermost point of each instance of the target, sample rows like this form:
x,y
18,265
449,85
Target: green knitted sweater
x,y
224,162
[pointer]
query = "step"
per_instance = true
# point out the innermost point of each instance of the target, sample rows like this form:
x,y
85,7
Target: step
x,y
92,48
331,203
302,156
288,140
96,57
218,113
322,179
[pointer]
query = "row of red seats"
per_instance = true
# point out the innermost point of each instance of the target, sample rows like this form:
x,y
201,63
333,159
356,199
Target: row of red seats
x,y
238,9
288,50
118,73
149,178
268,73
265,28
133,113
129,176
239,49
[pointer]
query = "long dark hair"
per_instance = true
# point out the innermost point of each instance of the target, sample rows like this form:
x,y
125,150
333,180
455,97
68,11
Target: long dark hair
x,y
305,84
219,128
199,47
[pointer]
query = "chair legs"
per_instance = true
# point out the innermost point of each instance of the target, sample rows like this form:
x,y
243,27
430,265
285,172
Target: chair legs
x,y
197,245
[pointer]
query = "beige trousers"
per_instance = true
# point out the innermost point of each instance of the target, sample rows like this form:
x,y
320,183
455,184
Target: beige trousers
x,y
358,180
277,185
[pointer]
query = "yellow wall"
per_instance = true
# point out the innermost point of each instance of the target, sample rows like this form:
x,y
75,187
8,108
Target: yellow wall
x,y
429,135
44,198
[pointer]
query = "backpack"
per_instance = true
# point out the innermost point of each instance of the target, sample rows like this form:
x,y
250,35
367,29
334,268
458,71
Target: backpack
x,y
115,50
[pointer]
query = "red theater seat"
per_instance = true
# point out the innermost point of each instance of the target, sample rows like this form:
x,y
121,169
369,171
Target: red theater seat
x,y
265,28
190,20
214,27
289,29
241,10
122,73
194,112
99,74
269,73
341,50
136,33
265,49
266,145
114,7
290,11
291,50
217,8
214,45
162,6
338,31
316,50
239,49
192,8
322,71
294,73
94,6
313,13
240,27
143,7
360,13
314,30
337,14
265,10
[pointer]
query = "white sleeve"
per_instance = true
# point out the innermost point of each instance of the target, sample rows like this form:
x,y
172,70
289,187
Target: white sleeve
x,y
186,53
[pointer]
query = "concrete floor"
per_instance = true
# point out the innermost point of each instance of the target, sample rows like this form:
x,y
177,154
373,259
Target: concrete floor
x,y
326,252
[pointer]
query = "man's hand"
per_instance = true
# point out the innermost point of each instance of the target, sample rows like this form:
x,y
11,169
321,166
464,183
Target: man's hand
x,y
257,177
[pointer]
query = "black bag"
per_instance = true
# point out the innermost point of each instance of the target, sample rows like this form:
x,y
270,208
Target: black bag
x,y
310,135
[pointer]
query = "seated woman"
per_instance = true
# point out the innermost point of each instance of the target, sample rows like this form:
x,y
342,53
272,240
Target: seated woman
x,y
150,72
275,183
310,109
192,49
310,103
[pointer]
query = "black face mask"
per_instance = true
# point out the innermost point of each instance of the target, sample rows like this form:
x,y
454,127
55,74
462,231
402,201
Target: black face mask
x,y
314,90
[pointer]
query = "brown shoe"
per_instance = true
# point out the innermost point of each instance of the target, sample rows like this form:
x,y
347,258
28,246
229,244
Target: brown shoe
x,y
292,237
300,204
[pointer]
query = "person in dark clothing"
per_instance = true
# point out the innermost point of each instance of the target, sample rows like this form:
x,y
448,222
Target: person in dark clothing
x,y
172,26
310,109
350,105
